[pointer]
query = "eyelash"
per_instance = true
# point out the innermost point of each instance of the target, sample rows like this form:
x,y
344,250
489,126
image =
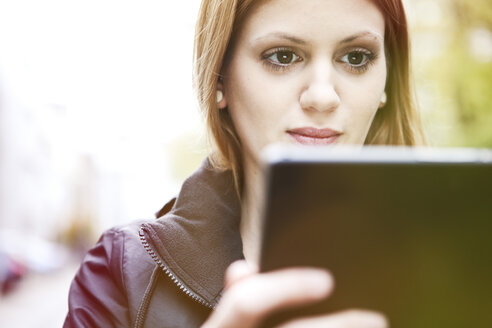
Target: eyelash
x,y
279,66
369,58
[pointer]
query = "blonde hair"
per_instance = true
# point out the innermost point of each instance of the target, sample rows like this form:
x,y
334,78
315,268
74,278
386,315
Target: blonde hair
x,y
397,123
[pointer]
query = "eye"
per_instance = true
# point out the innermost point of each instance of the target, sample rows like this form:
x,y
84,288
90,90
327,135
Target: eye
x,y
357,58
281,57
284,57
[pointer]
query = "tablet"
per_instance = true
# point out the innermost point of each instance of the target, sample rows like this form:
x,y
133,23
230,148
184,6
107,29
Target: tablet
x,y
406,232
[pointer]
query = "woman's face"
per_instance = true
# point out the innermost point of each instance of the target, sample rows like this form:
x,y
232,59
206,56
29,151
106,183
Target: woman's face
x,y
308,72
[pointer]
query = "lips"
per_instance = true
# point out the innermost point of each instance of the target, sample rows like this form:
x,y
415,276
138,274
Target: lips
x,y
314,136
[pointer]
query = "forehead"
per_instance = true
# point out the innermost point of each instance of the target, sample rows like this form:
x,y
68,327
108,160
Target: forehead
x,y
323,20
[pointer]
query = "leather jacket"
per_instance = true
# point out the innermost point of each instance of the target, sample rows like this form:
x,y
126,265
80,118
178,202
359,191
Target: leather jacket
x,y
167,272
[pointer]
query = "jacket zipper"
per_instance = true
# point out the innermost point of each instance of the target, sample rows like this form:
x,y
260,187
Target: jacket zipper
x,y
181,285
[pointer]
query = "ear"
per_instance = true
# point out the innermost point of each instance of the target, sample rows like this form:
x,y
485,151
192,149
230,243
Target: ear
x,y
221,97
384,99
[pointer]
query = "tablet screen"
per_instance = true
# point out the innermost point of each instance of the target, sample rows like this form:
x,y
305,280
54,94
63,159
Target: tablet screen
x,y
404,234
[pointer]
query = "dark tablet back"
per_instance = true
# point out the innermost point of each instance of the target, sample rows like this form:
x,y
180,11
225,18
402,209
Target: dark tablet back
x,y
404,232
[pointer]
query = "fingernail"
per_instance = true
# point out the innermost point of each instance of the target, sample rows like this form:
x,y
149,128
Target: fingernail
x,y
319,281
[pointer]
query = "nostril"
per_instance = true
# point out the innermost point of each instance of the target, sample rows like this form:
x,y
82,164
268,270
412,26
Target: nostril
x,y
319,98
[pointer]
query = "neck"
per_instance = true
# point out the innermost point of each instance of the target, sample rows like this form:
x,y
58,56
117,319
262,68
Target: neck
x,y
250,211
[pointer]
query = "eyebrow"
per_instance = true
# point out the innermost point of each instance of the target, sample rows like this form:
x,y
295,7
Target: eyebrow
x,y
362,35
281,35
292,38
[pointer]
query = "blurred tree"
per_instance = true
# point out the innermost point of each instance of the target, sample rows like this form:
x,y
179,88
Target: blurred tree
x,y
463,71
186,154
475,12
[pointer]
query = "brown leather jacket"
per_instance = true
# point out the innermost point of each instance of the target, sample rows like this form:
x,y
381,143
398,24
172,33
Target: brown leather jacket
x,y
167,272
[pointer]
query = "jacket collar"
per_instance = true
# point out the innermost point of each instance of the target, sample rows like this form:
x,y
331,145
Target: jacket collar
x,y
199,237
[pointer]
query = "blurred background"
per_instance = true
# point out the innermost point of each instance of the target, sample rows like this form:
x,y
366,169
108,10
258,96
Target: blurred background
x,y
99,125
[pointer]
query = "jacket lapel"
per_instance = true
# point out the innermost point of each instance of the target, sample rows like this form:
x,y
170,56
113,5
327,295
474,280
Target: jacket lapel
x,y
199,237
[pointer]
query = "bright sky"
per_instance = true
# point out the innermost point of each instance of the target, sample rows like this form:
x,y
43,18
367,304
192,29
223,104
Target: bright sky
x,y
114,65
103,78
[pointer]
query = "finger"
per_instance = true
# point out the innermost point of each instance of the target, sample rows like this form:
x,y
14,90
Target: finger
x,y
237,271
346,319
254,298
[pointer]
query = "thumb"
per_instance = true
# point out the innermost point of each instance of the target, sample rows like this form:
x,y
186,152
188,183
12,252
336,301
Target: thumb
x,y
237,271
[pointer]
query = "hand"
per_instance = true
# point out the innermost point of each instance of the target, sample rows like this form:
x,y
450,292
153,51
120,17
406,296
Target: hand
x,y
250,297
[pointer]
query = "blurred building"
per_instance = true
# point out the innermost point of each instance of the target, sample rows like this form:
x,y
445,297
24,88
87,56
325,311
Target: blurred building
x,y
99,126
93,98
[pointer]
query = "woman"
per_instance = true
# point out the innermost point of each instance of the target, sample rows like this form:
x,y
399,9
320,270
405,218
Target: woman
x,y
309,72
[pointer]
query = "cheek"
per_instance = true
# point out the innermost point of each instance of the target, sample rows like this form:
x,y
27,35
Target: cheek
x,y
254,103
362,101
244,101
366,106
245,104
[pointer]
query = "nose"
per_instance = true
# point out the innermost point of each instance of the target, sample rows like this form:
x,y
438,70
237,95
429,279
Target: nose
x,y
320,93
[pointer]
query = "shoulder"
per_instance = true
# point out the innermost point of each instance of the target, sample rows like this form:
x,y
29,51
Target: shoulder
x,y
154,299
110,283
121,248
133,265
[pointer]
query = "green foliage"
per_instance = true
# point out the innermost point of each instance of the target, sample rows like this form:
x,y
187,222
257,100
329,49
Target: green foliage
x,y
477,11
186,154
463,78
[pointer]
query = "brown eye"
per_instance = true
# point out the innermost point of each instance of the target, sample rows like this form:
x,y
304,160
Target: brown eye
x,y
283,57
357,61
356,58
